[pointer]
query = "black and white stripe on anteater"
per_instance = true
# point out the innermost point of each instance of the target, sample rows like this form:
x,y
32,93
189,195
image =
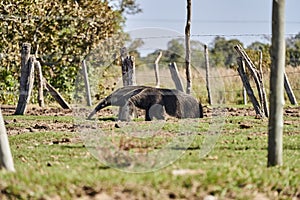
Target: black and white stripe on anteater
x,y
155,101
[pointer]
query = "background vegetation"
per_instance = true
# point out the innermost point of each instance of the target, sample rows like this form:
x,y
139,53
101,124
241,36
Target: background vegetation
x,y
63,33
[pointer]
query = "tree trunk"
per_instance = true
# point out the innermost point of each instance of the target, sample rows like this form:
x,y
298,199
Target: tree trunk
x,y
275,125
188,47
6,160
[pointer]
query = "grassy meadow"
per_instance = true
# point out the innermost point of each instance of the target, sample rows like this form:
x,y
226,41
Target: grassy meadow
x,y
52,162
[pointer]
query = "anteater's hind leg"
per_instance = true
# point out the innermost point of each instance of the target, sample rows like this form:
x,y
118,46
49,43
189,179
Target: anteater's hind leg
x,y
155,111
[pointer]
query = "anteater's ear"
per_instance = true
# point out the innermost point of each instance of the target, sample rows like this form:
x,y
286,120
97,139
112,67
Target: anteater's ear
x,y
201,110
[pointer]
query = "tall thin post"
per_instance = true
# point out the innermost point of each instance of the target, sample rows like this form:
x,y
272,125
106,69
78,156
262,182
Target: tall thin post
x,y
275,125
6,160
207,73
38,70
188,47
244,89
156,69
263,100
87,84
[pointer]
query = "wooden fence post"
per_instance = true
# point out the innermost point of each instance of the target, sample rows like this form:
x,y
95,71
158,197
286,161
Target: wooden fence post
x,y
175,76
275,126
289,90
55,94
6,160
207,73
264,100
128,71
87,84
128,76
244,89
255,74
248,88
156,69
188,48
26,80
38,69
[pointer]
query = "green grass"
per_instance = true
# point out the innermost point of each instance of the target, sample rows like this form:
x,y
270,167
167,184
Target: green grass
x,y
48,166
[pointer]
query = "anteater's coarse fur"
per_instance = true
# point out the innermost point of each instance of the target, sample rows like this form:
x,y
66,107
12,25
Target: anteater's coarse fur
x,y
155,101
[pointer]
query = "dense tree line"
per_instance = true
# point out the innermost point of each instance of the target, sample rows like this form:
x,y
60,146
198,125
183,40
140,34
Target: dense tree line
x,y
222,53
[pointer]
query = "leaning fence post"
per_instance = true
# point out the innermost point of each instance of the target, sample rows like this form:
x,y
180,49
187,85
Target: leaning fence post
x,y
244,89
86,83
175,76
26,80
55,94
289,90
248,87
6,160
256,77
264,101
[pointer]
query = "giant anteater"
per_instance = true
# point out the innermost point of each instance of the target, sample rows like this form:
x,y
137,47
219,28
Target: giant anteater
x,y
154,101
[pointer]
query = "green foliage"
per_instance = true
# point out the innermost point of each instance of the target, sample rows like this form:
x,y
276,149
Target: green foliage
x,y
176,53
223,53
253,52
293,51
61,34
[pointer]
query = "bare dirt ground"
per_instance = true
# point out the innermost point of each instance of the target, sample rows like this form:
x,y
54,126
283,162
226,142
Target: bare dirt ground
x,y
66,126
